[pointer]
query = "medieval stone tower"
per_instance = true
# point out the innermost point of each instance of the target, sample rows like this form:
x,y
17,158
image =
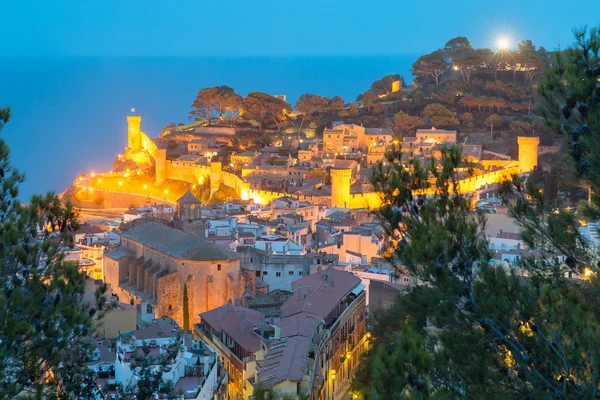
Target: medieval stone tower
x,y
528,153
189,207
216,170
160,166
134,134
340,187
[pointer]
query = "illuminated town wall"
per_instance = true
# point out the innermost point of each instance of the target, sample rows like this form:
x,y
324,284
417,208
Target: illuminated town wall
x,y
341,179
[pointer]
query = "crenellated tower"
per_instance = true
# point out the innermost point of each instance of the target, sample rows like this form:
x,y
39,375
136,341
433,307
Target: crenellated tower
x,y
134,134
528,153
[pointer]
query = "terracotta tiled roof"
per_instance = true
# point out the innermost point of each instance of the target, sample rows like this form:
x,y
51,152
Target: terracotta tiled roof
x,y
327,289
238,323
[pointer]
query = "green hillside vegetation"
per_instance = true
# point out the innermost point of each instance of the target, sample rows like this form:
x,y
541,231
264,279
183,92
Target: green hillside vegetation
x,y
487,95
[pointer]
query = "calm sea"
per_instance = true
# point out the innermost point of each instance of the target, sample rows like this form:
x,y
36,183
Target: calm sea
x,y
69,113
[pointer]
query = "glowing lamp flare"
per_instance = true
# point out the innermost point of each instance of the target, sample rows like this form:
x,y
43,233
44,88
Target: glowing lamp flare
x,y
503,43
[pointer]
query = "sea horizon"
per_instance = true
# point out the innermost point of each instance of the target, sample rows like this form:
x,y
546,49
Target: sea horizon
x,y
68,113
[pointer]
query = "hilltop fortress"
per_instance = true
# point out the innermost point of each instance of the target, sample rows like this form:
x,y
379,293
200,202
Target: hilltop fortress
x,y
154,175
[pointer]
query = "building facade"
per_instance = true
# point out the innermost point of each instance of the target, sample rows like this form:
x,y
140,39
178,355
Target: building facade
x,y
168,268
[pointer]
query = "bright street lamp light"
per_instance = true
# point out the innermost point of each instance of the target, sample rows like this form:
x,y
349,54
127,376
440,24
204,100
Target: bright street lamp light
x,y
503,43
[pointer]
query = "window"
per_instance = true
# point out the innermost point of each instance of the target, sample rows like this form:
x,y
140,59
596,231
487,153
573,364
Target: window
x,y
250,259
291,273
265,272
218,267
300,272
257,273
278,274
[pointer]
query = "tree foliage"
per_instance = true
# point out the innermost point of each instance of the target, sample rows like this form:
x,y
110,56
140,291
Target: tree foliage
x,y
405,123
383,86
42,316
434,65
527,330
213,100
263,107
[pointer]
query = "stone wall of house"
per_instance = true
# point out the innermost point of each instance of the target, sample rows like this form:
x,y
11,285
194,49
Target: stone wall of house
x,y
248,277
170,293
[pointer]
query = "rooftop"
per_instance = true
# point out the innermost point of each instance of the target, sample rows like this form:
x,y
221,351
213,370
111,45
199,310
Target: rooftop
x,y
238,323
86,229
285,360
118,253
378,131
327,289
188,198
509,235
435,131
176,243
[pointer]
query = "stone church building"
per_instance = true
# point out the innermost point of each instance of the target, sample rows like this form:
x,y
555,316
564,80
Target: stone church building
x,y
159,265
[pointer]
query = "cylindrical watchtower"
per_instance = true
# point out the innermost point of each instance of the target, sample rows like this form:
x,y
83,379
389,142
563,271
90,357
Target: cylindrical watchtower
x,y
134,136
528,153
340,187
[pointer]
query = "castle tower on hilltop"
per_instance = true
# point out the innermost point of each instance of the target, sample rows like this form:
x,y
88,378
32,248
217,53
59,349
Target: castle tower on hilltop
x,y
340,187
160,165
134,134
528,153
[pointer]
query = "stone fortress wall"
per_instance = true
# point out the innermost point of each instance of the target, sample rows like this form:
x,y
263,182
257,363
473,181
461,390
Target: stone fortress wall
x,y
341,196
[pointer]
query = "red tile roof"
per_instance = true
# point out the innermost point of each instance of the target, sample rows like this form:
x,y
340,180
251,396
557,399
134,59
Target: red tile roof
x,y
238,323
327,289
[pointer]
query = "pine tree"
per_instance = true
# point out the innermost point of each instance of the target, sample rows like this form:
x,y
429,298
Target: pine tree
x,y
42,316
490,331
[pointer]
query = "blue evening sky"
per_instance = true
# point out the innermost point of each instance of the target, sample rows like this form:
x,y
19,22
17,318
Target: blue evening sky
x,y
278,27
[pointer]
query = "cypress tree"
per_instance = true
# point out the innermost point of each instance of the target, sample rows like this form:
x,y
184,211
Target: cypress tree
x,y
186,309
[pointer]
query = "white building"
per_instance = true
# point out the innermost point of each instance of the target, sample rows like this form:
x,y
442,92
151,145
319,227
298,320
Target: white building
x,y
276,244
192,368
506,241
590,233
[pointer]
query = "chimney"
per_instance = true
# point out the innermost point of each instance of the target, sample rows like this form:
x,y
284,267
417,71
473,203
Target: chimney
x,y
229,301
243,327
262,329
310,289
325,286
332,282
299,290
